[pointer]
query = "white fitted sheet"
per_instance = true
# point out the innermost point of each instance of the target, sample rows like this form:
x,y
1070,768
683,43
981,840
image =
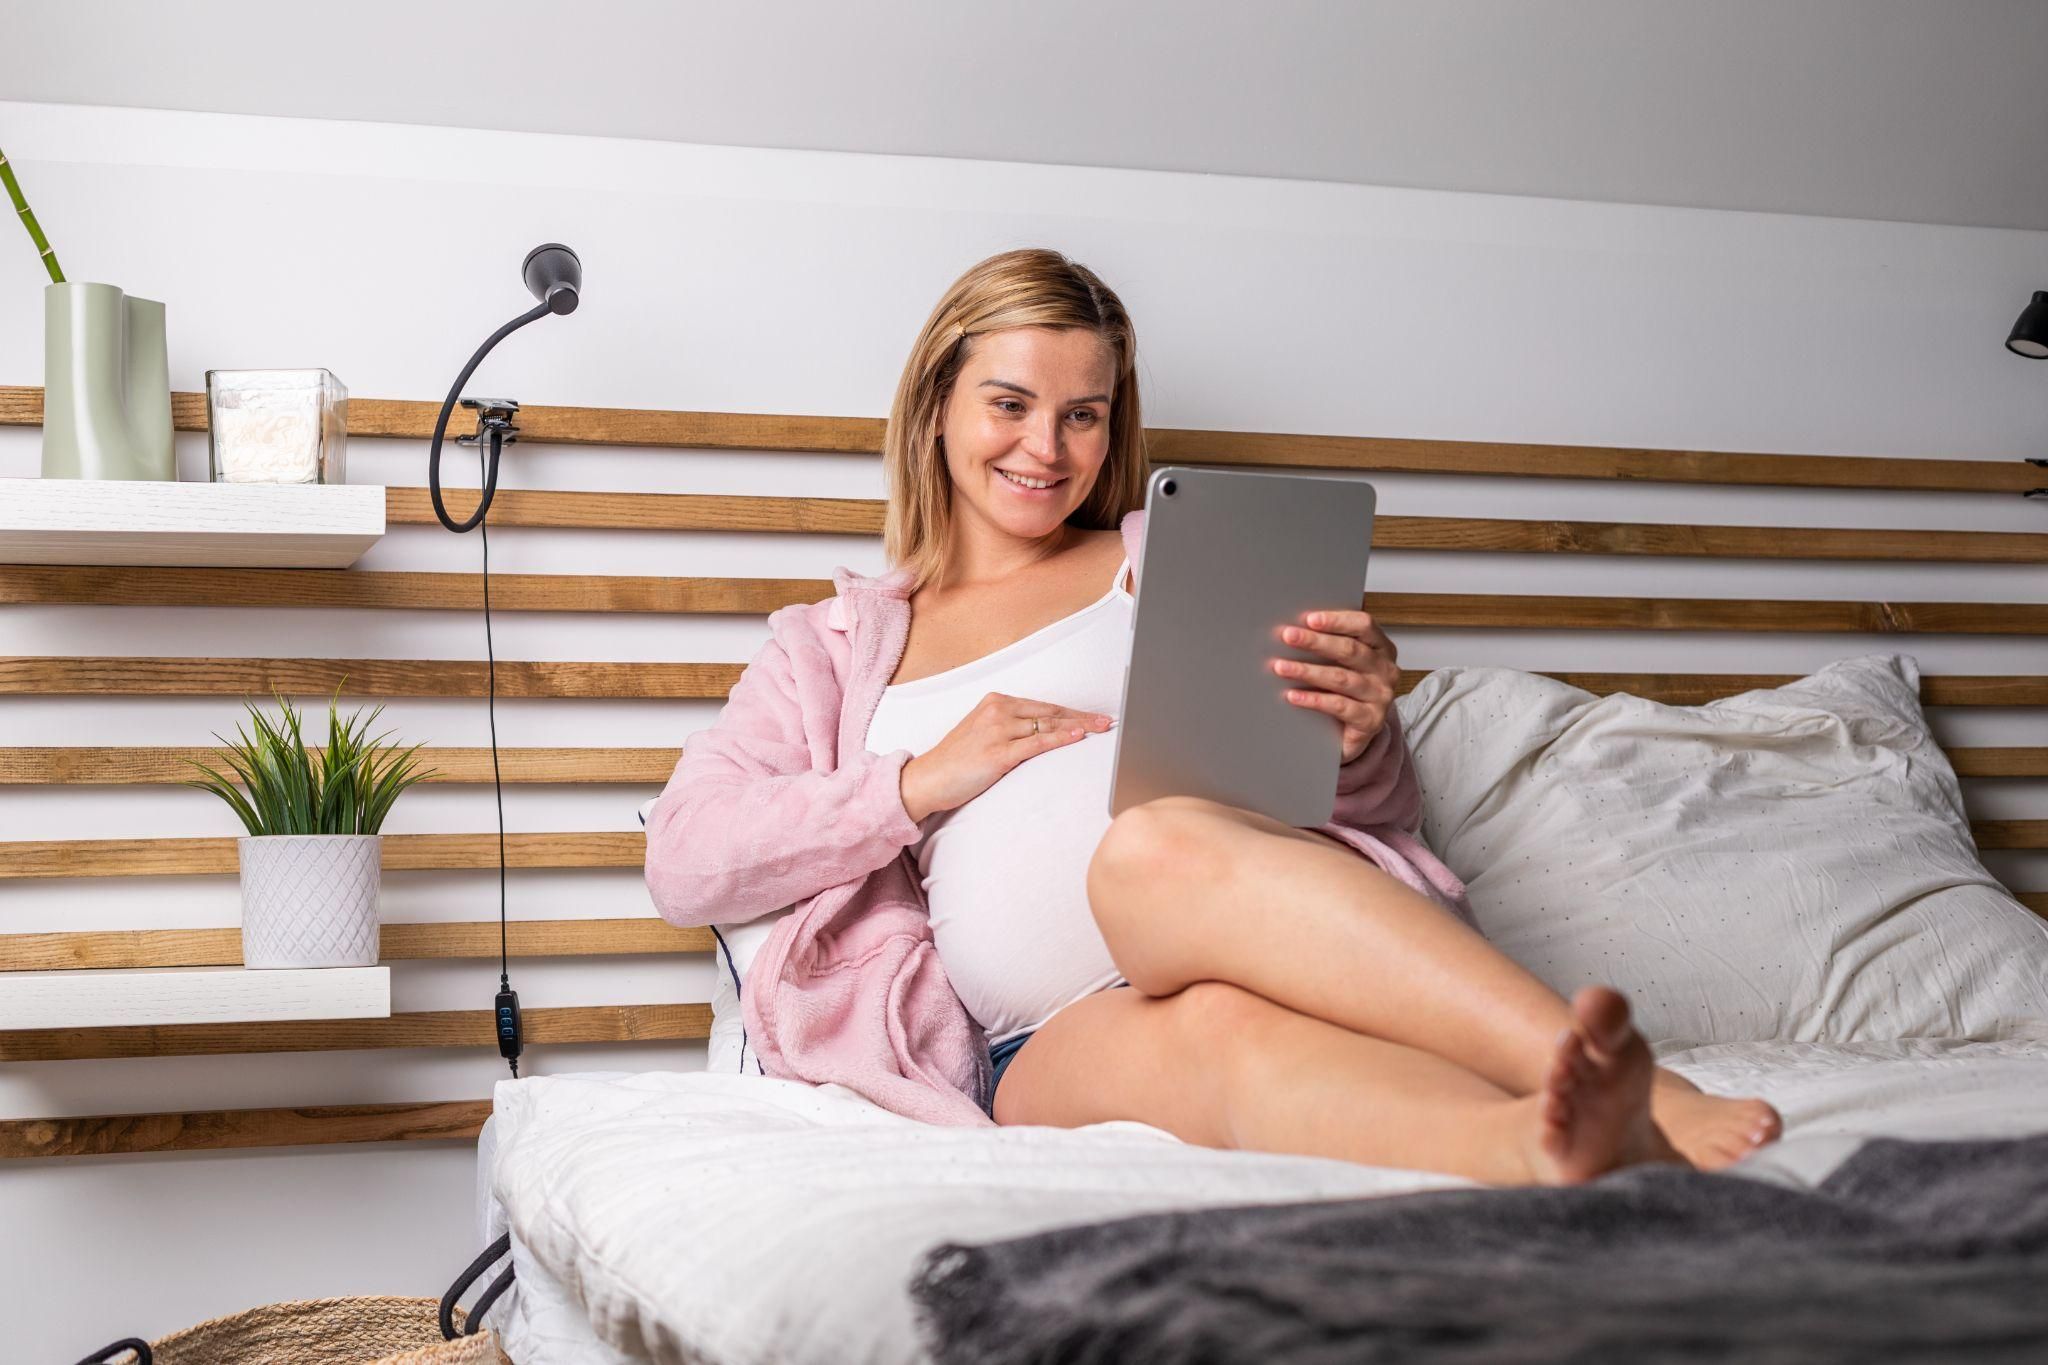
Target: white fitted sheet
x,y
688,1216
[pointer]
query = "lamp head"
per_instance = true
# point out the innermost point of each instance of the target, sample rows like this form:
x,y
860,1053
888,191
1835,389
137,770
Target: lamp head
x,y
554,275
2030,334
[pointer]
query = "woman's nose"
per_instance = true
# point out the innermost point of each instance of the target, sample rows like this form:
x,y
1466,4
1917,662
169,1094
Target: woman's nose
x,y
1042,438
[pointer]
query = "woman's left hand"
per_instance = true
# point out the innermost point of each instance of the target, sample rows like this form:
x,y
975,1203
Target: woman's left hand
x,y
1357,685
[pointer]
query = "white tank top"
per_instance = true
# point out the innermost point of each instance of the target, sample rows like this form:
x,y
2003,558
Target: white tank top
x,y
1006,875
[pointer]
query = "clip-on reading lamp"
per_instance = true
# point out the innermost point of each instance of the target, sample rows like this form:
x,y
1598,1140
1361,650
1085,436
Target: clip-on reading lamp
x,y
554,274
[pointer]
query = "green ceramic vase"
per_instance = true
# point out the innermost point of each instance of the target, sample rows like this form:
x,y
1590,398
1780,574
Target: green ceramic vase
x,y
106,386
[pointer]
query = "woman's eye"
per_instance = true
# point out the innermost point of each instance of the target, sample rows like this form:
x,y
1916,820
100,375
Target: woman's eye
x,y
1085,415
1009,405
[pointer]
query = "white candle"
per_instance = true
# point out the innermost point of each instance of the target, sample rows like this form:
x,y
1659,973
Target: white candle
x,y
275,426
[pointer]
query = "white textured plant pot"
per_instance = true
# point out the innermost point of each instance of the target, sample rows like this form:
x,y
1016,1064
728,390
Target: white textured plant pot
x,y
310,900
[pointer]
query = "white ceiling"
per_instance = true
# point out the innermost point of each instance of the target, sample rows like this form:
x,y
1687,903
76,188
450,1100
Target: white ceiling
x,y
1918,110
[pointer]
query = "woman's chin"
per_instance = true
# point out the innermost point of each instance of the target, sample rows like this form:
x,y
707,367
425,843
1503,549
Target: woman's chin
x,y
1030,522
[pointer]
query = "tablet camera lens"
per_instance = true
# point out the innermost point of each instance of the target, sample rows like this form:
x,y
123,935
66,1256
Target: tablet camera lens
x,y
1167,488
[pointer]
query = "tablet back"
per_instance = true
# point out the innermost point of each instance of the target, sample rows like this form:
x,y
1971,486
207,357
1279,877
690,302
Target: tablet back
x,y
1229,559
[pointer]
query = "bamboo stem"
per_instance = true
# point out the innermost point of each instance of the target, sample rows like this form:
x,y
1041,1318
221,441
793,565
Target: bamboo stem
x,y
28,219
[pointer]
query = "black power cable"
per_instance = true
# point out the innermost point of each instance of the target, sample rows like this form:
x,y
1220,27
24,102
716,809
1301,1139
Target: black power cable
x,y
554,275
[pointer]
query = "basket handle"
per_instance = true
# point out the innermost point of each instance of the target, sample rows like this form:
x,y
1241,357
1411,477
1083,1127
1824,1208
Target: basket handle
x,y
474,1322
105,1353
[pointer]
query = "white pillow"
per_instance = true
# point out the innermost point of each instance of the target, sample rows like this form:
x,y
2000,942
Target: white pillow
x,y
728,1049
1789,863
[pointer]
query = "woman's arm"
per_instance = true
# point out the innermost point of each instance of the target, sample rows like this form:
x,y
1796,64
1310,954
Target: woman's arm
x,y
1379,786
746,825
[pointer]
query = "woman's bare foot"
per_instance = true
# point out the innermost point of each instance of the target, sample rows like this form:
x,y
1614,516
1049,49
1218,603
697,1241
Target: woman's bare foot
x,y
1713,1131
1593,1113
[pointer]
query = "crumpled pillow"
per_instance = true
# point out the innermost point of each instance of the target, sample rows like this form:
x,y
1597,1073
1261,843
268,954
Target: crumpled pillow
x,y
1788,863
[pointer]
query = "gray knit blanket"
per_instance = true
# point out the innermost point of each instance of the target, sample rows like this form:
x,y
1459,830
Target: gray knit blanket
x,y
1908,1251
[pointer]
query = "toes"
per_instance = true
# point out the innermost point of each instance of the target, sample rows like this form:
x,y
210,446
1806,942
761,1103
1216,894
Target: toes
x,y
1554,1133
1569,1064
1602,1013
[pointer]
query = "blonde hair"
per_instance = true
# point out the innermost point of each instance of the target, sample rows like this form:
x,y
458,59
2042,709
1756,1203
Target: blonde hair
x,y
1027,288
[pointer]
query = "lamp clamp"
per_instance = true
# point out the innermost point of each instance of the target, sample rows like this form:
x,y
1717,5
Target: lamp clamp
x,y
492,415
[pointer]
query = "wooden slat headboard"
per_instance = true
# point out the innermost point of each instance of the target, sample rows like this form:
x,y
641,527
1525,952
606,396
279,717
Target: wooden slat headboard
x,y
405,854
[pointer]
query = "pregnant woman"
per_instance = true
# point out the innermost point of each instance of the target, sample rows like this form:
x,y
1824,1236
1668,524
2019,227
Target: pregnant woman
x,y
922,765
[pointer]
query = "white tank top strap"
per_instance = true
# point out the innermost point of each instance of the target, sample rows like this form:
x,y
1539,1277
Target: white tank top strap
x,y
1016,651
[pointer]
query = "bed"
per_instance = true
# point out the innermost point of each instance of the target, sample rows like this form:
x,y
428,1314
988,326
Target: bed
x,y
689,1216
1783,880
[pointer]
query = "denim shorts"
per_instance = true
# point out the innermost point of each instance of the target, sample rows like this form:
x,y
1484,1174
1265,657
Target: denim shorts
x,y
1002,1052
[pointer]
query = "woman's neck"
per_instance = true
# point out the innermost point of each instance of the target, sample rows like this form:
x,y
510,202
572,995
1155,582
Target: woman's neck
x,y
983,555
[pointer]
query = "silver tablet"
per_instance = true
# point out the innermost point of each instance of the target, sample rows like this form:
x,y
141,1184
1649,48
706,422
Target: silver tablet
x,y
1229,559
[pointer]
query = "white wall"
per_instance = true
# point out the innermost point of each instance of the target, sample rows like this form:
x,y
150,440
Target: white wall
x,y
793,282
1917,110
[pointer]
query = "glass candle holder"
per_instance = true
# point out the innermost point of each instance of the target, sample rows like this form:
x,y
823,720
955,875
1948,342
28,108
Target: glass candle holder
x,y
276,426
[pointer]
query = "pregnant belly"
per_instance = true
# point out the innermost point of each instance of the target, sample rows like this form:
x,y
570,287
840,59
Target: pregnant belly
x,y
1006,878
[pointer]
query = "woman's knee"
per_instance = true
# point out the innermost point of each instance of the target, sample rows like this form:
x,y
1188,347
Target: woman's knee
x,y
1152,853
1150,844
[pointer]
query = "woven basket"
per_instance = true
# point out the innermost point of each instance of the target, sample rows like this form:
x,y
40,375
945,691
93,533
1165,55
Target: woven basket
x,y
369,1330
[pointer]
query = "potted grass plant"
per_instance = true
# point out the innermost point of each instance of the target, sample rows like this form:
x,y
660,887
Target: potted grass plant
x,y
313,857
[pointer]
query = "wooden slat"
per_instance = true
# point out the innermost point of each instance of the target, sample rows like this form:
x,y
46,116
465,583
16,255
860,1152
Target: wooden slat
x,y
57,676
644,511
2018,762
48,952
1631,465
51,765
1707,542
402,853
863,516
428,1028
1504,537
65,675
2010,833
2036,901
418,852
153,765
413,419
79,585
221,1129
68,584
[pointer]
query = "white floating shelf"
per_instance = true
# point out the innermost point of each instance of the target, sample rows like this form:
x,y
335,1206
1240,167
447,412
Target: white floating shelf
x,y
196,525
110,997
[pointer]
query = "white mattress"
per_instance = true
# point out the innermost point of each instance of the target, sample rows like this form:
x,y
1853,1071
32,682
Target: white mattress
x,y
686,1216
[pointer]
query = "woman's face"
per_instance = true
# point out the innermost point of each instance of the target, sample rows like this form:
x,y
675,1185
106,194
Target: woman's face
x,y
1032,401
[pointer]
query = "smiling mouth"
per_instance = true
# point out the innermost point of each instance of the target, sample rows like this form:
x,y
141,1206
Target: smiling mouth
x,y
1009,478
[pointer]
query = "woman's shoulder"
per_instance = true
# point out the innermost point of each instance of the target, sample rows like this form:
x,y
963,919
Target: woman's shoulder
x,y
801,622
1131,530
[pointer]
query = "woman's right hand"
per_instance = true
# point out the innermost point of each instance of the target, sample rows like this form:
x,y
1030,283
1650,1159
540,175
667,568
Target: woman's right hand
x,y
990,740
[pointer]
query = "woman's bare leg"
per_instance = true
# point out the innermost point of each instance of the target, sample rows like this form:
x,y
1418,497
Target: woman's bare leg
x,y
1218,1065
1189,890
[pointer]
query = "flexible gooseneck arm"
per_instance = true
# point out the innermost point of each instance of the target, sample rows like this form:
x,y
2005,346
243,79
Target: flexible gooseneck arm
x,y
490,485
